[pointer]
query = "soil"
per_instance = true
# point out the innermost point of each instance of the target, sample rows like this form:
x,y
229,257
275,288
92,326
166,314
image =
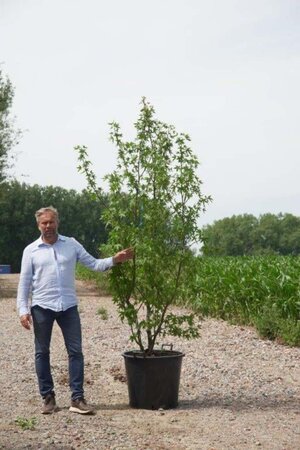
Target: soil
x,y
237,391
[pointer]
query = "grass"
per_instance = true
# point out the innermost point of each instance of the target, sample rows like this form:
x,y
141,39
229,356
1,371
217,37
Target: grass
x,y
102,312
26,424
99,278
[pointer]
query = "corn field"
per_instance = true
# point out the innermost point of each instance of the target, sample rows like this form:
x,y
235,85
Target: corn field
x,y
261,291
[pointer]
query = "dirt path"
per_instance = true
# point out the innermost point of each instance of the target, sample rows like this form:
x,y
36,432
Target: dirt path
x,y
237,391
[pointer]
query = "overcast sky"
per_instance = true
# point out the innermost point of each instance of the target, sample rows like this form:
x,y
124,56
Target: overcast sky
x,y
227,72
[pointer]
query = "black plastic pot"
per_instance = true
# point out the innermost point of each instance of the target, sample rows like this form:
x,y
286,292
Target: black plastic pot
x,y
153,381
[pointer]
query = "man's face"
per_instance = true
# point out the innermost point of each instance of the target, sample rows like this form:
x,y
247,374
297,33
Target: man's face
x,y
48,225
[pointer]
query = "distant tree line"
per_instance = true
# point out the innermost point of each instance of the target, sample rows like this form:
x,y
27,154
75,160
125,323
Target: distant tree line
x,y
248,235
80,217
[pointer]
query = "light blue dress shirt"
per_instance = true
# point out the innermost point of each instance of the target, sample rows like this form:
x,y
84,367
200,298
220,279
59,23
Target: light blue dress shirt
x,y
48,273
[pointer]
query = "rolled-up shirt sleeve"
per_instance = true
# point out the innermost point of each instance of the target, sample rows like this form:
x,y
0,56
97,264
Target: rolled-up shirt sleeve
x,y
98,265
25,283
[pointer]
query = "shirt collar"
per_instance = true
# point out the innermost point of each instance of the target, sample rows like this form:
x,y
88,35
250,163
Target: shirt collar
x,y
40,241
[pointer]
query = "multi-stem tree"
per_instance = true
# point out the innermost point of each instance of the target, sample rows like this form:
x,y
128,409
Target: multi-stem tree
x,y
155,201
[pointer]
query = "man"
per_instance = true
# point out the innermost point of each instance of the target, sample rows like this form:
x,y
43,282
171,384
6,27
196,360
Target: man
x,y
48,272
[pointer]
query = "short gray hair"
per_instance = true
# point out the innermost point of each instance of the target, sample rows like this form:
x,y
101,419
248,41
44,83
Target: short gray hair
x,y
42,211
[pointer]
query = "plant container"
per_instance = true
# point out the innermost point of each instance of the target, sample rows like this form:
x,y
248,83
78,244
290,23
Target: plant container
x,y
153,381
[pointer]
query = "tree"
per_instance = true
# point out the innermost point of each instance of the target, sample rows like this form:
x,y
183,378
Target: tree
x,y
248,235
289,238
267,234
154,205
8,135
231,236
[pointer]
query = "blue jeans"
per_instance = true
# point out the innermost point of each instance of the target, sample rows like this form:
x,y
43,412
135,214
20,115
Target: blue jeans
x,y
69,322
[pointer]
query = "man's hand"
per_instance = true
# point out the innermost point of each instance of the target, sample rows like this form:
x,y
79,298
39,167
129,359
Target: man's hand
x,y
26,321
123,255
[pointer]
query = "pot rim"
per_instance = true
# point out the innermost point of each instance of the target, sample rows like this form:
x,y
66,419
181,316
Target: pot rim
x,y
138,354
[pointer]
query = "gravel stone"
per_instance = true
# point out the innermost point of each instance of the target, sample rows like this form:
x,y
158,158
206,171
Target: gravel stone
x,y
237,391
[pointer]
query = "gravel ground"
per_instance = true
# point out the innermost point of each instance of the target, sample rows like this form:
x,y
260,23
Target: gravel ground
x,y
237,391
